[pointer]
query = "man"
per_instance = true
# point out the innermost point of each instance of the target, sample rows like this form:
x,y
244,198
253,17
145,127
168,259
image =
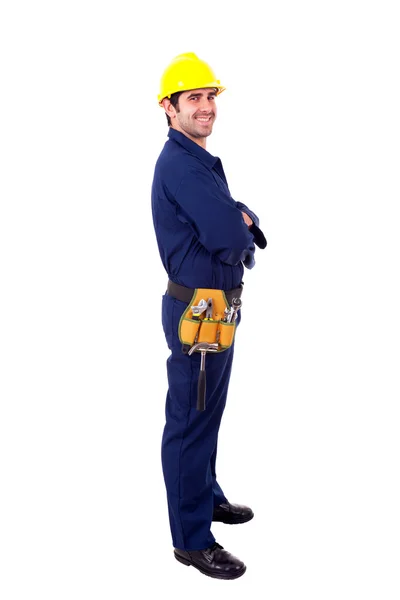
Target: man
x,y
204,239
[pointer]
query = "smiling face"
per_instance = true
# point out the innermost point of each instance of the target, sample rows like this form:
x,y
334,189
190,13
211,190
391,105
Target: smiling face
x,y
194,114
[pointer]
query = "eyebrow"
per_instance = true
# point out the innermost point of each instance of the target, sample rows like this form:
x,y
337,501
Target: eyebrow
x,y
198,95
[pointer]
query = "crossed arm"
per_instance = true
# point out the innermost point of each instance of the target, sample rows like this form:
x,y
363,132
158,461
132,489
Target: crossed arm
x,y
252,222
217,219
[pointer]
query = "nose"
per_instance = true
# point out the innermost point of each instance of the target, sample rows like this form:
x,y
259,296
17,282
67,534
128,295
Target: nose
x,y
206,105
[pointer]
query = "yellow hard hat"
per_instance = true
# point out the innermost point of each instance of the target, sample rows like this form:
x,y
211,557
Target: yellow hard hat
x,y
187,72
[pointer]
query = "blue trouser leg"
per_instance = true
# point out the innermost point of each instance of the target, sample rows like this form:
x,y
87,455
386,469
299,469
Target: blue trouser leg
x,y
190,437
218,494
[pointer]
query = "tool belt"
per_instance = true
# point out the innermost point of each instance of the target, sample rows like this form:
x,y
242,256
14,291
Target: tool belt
x,y
210,326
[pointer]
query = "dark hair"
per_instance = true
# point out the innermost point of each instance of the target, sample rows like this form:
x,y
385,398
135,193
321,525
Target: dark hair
x,y
174,101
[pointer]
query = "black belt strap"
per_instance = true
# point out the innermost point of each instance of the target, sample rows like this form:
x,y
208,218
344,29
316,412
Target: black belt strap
x,y
184,294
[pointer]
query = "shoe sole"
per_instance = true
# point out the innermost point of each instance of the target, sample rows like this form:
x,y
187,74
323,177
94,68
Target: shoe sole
x,y
234,521
222,575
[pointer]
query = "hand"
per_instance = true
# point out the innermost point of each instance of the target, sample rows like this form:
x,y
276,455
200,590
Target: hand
x,y
247,219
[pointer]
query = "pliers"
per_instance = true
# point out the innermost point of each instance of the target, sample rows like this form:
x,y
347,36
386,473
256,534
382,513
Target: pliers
x,y
209,310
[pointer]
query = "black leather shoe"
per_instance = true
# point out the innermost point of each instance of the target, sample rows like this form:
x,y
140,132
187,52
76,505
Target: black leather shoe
x,y
232,513
214,562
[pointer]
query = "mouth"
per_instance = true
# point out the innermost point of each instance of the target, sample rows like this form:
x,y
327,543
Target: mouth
x,y
204,119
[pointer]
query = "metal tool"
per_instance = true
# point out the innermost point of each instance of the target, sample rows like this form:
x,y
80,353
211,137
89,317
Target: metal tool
x,y
209,310
199,309
196,312
227,312
236,304
202,347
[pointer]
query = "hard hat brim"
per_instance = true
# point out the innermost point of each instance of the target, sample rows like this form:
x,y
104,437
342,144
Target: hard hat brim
x,y
218,87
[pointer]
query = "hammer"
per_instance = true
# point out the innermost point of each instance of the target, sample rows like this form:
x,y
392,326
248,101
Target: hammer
x,y
202,347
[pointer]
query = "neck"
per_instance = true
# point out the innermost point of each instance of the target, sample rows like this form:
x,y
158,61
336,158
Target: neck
x,y
200,141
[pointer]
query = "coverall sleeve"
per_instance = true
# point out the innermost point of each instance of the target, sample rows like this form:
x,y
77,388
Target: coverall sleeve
x,y
259,237
214,218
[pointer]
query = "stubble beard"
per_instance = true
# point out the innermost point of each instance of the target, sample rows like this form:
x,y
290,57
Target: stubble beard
x,y
197,131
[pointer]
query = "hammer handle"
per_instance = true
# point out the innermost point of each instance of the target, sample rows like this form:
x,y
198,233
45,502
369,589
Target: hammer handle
x,y
201,391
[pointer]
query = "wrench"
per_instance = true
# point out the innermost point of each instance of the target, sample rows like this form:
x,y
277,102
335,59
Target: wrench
x,y
236,304
199,309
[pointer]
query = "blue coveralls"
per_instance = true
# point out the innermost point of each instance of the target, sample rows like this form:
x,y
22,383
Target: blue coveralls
x,y
203,243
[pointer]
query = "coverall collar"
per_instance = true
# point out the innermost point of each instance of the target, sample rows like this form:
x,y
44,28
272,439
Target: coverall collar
x,y
208,159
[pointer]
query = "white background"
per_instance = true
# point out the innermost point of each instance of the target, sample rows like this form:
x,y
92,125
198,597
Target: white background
x,y
308,132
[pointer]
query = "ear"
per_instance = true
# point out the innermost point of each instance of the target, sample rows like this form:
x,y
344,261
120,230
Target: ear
x,y
169,109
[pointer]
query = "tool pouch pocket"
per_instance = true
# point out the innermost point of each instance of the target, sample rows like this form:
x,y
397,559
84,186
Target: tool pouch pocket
x,y
208,332
213,330
226,334
188,329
